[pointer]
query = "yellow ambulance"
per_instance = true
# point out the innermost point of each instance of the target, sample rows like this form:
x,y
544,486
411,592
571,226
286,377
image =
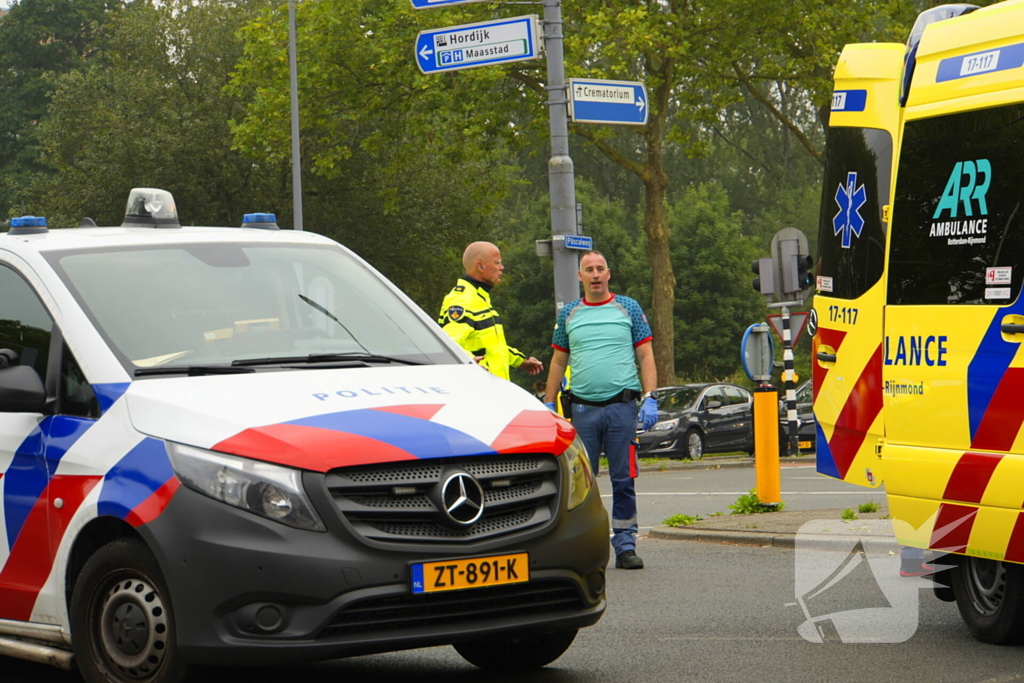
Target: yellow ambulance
x,y
918,319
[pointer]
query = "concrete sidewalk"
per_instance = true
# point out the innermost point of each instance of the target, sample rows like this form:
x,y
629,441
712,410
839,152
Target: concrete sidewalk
x,y
819,528
714,462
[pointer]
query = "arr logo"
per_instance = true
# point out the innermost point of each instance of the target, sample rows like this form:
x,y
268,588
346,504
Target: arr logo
x,y
967,184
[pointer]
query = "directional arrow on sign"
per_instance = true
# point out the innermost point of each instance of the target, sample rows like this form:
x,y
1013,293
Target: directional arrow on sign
x,y
427,4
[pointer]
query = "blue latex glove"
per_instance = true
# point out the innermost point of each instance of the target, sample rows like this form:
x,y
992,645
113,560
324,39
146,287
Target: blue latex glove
x,y
648,413
551,407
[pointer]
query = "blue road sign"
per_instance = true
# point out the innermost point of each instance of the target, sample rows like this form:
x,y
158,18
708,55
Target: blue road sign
x,y
579,242
594,101
427,4
473,45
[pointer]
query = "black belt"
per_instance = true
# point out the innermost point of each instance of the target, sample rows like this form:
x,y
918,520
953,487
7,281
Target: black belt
x,y
621,397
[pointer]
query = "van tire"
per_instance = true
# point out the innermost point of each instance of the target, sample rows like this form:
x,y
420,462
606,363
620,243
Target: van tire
x,y
122,623
516,654
990,597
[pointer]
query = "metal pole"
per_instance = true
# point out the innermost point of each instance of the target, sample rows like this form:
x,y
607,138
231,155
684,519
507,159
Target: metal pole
x,y
296,160
792,446
561,179
766,445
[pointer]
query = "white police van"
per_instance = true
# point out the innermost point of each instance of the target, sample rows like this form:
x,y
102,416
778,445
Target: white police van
x,y
243,446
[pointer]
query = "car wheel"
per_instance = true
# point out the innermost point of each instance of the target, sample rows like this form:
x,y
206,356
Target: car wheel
x,y
122,624
694,444
989,596
516,654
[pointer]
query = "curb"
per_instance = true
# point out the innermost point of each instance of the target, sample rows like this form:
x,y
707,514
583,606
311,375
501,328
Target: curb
x,y
717,463
773,539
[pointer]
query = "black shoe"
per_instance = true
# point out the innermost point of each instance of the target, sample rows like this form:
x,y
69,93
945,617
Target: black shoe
x,y
628,559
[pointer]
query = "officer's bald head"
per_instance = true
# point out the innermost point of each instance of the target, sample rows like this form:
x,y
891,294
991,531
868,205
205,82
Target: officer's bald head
x,y
482,261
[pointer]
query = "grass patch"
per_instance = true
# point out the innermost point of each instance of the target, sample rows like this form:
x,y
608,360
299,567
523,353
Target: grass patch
x,y
865,508
682,520
749,504
849,515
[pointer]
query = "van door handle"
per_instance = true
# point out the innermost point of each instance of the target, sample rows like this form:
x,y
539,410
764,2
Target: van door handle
x,y
831,357
1012,328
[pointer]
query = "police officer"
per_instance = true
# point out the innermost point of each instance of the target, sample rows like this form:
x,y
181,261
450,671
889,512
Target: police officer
x,y
468,317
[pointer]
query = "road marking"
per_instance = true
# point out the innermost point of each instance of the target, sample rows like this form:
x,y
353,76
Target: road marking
x,y
752,638
743,493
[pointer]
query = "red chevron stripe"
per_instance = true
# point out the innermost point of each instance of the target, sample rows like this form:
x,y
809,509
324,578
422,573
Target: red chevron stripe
x,y
1015,548
149,509
970,477
861,408
299,446
535,431
953,528
31,558
1004,415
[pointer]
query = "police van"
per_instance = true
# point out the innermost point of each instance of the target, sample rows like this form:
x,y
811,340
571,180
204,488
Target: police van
x,y
244,446
917,369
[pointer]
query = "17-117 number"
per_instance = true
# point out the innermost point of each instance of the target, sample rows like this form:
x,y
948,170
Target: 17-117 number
x,y
843,314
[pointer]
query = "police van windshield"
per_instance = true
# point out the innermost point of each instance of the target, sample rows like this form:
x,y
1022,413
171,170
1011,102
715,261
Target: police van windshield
x,y
213,303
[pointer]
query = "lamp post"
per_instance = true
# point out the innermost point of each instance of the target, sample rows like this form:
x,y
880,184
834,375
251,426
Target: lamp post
x,y
296,160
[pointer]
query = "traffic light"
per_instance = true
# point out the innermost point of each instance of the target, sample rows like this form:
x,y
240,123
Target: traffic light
x,y
804,276
764,283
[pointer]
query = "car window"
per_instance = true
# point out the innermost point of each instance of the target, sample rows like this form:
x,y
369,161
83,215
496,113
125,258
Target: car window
x,y
77,396
735,396
25,325
677,399
219,302
805,393
714,394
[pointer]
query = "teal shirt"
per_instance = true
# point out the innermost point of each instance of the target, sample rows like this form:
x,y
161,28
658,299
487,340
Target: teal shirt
x,y
602,338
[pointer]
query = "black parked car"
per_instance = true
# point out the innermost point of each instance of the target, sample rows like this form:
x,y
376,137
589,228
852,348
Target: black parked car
x,y
694,419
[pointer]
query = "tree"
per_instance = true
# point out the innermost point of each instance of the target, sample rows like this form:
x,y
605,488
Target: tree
x,y
37,37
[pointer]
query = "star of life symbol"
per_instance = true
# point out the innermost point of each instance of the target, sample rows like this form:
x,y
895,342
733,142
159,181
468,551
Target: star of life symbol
x,y
850,198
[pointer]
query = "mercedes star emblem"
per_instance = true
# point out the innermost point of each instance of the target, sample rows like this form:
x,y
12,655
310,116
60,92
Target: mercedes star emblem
x,y
462,498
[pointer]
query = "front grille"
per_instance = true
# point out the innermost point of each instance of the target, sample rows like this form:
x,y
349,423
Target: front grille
x,y
400,612
398,501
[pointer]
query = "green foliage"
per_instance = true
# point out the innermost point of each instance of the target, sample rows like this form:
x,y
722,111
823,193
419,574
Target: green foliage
x,y
749,504
849,515
865,508
682,520
716,513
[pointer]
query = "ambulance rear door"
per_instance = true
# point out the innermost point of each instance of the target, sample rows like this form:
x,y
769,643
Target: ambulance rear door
x,y
850,285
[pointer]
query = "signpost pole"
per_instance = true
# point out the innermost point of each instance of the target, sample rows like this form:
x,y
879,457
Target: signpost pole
x,y
792,447
561,179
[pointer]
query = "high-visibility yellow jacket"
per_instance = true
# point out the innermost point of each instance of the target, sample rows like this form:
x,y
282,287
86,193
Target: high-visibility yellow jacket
x,y
468,318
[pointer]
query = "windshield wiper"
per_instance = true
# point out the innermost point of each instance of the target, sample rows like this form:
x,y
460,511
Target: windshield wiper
x,y
356,356
192,370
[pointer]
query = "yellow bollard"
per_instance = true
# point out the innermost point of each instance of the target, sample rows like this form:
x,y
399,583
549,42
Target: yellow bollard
x,y
766,445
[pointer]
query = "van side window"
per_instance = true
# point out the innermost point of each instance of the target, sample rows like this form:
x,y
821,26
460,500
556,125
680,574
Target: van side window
x,y
76,395
25,325
958,219
851,234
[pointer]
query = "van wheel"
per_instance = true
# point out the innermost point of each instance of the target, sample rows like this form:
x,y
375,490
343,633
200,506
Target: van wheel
x,y
989,595
122,625
694,444
516,654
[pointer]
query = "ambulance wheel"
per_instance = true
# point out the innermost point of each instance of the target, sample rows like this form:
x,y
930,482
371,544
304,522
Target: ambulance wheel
x,y
990,596
516,654
694,444
122,626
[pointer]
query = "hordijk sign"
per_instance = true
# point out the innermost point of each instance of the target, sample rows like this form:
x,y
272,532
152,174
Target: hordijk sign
x,y
473,45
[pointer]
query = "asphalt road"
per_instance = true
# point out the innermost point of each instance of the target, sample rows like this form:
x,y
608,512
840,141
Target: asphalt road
x,y
698,612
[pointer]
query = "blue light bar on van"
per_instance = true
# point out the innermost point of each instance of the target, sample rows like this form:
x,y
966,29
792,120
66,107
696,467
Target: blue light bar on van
x,y
929,16
27,225
262,221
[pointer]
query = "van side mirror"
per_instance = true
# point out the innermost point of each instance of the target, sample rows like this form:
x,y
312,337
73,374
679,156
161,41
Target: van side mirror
x,y
21,390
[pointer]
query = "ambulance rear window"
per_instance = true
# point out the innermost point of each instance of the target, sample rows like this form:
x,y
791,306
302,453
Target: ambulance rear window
x,y
958,223
851,235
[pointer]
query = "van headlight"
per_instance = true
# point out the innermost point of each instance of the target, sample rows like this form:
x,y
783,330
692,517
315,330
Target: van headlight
x,y
581,479
263,489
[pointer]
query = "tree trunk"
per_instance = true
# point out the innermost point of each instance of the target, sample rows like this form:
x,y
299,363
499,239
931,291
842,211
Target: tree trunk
x,y
663,279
